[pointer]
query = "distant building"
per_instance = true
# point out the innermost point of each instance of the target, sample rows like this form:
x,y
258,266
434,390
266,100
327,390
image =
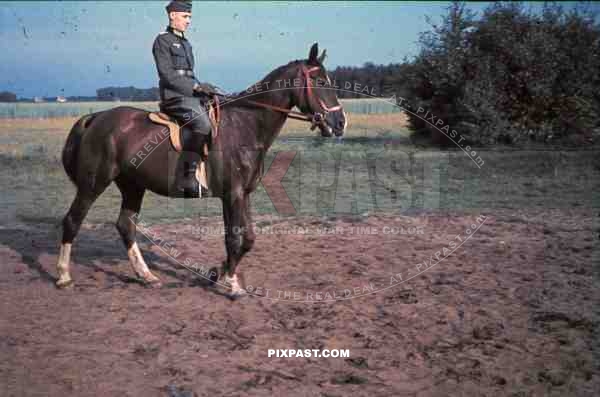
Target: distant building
x,y
6,96
81,99
127,94
38,99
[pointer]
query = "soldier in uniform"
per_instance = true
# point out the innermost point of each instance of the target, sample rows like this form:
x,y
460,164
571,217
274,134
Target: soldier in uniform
x,y
180,93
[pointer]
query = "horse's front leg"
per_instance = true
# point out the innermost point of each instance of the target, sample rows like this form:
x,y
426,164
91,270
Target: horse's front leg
x,y
233,218
247,227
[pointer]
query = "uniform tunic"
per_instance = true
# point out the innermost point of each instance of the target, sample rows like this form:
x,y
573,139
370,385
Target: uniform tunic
x,y
172,54
175,65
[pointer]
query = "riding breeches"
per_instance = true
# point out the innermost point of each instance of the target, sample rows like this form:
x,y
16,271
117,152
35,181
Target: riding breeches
x,y
189,112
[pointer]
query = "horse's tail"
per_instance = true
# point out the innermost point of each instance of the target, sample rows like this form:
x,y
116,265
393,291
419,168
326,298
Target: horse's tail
x,y
71,150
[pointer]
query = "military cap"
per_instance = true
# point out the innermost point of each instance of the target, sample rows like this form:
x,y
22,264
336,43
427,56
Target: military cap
x,y
179,6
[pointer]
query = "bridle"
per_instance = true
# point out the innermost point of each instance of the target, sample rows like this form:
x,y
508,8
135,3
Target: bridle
x,y
316,118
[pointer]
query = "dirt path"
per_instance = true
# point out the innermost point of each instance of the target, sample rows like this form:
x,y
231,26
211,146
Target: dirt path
x,y
513,311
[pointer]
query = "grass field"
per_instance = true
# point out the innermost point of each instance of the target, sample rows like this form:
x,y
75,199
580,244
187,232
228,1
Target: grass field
x,y
73,109
350,178
511,312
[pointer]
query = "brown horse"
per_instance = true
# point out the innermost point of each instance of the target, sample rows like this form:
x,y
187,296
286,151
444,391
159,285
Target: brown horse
x,y
107,146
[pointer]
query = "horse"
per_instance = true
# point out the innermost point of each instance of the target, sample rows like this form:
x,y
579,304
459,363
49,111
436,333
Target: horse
x,y
101,148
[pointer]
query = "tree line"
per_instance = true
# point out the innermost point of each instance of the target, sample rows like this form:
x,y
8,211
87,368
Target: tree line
x,y
509,76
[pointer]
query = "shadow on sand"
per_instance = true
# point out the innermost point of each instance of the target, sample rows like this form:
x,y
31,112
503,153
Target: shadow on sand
x,y
95,251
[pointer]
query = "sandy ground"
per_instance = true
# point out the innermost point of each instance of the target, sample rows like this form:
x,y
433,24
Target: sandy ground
x,y
513,312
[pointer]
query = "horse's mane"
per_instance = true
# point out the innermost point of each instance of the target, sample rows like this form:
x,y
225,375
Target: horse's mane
x,y
236,98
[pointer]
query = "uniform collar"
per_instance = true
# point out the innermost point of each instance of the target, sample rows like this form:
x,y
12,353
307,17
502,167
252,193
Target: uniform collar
x,y
175,32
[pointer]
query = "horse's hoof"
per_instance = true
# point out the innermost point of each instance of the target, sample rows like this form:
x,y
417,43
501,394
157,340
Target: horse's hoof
x,y
65,284
236,295
154,284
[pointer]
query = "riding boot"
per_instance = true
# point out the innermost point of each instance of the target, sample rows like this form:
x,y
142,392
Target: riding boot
x,y
186,182
196,131
204,140
185,178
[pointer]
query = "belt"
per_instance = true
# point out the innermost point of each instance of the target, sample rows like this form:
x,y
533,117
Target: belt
x,y
184,72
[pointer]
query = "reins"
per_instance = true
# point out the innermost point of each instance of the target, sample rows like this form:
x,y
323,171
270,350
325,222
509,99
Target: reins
x,y
316,118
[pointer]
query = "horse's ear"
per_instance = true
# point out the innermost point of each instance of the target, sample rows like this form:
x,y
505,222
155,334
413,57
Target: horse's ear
x,y
322,56
314,52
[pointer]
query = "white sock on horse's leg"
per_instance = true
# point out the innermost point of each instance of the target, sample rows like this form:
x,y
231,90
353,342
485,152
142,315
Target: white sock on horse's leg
x,y
236,288
139,264
62,267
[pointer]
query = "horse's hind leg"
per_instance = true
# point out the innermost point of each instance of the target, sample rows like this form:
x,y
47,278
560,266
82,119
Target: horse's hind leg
x,y
71,224
126,225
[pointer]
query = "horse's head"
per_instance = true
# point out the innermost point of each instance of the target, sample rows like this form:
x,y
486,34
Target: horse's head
x,y
317,95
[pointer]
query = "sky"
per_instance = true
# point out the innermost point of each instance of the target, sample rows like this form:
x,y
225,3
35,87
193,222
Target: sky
x,y
75,47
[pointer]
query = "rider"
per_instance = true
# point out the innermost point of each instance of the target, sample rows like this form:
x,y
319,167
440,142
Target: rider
x,y
180,92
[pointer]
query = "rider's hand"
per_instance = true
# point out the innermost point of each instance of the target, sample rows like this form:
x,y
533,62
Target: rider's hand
x,y
204,88
198,88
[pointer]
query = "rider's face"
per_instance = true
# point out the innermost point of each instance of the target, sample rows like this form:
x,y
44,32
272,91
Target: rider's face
x,y
180,20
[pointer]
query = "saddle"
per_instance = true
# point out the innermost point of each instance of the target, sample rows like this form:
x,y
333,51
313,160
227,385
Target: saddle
x,y
178,135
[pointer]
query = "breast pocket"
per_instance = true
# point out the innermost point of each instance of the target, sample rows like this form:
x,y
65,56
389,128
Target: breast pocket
x,y
179,58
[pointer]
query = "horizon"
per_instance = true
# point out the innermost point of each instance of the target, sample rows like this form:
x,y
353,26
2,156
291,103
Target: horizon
x,y
237,44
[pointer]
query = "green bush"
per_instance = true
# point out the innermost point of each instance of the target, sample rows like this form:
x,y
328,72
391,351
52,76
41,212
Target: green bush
x,y
511,75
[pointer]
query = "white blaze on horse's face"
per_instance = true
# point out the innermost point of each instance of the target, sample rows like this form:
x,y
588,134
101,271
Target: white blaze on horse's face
x,y
336,120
